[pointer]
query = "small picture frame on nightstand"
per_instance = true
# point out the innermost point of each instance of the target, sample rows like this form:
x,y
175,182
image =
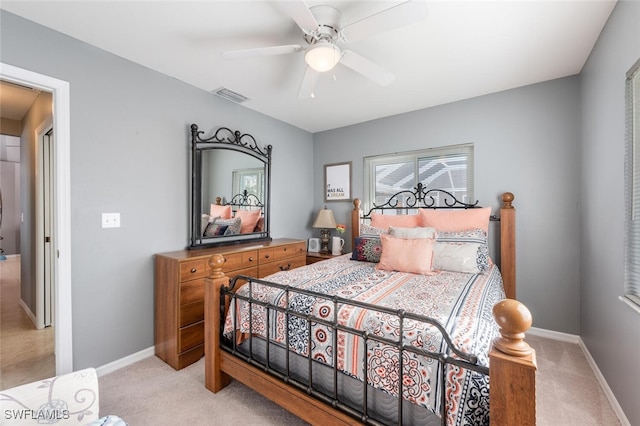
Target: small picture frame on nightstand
x,y
313,245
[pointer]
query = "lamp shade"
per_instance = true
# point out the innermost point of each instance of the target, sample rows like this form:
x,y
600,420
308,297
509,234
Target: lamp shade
x,y
323,56
325,219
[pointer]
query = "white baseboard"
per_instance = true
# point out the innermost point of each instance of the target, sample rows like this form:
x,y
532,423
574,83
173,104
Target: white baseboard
x,y
30,314
572,338
127,360
605,386
555,335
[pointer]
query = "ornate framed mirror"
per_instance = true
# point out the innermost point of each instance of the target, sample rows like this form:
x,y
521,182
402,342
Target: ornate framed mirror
x,y
230,188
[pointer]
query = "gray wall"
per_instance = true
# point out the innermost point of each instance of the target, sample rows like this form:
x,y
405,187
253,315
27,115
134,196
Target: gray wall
x,y
130,154
609,328
526,141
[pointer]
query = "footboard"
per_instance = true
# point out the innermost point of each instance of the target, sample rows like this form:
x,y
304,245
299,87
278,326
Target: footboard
x,y
221,366
512,372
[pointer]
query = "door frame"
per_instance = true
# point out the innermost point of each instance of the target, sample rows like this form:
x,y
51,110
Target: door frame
x,y
62,205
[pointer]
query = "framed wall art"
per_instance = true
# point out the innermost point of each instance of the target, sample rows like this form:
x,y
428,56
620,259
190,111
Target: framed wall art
x,y
337,182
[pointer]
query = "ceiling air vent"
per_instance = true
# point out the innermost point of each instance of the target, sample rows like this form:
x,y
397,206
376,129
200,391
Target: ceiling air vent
x,y
230,95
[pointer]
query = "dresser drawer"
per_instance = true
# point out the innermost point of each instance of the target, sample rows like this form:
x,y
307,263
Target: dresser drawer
x,y
290,250
191,336
242,260
266,255
191,291
272,254
283,265
191,313
193,269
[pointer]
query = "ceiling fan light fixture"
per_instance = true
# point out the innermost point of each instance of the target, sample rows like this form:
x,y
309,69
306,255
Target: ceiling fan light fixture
x,y
323,56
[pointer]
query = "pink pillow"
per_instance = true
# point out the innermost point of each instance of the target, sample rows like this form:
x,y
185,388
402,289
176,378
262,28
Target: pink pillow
x,y
406,255
223,212
384,221
249,220
456,219
259,225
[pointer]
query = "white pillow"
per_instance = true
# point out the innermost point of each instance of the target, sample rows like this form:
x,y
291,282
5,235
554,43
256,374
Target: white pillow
x,y
456,257
204,221
412,233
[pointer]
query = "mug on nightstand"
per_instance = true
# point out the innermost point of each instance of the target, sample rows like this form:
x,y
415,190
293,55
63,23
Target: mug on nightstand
x,y
337,245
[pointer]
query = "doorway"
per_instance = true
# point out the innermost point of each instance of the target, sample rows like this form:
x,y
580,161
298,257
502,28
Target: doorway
x,y
60,201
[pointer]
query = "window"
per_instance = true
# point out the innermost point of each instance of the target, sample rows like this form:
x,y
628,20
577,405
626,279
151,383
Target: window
x,y
632,188
250,180
449,168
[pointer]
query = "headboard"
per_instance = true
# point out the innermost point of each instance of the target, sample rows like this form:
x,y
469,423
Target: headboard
x,y
408,201
244,199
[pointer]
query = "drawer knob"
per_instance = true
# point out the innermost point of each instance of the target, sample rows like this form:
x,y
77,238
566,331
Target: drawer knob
x,y
194,270
285,268
266,256
251,259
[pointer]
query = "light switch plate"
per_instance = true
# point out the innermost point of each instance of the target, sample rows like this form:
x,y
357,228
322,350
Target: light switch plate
x,y
111,220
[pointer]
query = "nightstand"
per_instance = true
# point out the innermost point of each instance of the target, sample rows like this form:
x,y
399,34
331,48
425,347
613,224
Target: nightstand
x,y
317,257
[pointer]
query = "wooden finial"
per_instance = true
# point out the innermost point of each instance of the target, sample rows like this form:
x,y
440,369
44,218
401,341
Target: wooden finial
x,y
514,319
356,203
218,201
215,262
507,198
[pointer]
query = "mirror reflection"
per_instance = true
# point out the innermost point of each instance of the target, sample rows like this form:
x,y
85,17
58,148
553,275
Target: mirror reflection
x,y
230,189
226,174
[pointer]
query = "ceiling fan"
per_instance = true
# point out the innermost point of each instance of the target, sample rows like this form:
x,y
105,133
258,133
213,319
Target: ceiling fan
x,y
323,32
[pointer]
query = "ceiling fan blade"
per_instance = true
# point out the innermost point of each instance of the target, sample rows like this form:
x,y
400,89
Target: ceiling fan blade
x,y
308,83
262,51
300,13
400,15
367,68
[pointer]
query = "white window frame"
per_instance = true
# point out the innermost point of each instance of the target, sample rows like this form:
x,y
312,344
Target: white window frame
x,y
237,177
632,189
370,164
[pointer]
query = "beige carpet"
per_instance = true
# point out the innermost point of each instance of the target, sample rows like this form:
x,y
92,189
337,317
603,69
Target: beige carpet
x,y
152,393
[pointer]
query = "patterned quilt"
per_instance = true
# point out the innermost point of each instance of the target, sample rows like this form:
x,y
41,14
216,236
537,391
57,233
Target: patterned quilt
x,y
461,302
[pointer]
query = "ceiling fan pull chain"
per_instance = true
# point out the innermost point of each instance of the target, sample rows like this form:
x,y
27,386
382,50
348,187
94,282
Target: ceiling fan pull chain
x,y
313,89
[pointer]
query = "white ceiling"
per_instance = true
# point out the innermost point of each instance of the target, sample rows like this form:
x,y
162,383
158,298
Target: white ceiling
x,y
461,50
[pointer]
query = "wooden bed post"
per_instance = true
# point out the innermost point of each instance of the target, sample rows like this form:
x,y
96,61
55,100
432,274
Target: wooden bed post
x,y
355,222
214,378
508,245
512,368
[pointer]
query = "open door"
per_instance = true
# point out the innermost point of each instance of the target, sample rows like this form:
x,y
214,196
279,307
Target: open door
x,y
45,260
47,203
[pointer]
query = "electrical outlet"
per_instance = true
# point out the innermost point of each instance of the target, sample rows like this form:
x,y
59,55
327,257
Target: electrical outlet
x,y
111,220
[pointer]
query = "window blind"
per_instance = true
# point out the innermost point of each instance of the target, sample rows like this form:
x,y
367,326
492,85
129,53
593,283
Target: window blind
x,y
632,185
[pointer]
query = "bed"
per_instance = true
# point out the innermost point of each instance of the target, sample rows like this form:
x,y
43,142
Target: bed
x,y
240,215
328,341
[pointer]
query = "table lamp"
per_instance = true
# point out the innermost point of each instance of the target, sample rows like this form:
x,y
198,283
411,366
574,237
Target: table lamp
x,y
325,221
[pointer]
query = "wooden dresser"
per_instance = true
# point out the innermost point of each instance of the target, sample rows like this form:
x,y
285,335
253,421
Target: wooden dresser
x,y
179,290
